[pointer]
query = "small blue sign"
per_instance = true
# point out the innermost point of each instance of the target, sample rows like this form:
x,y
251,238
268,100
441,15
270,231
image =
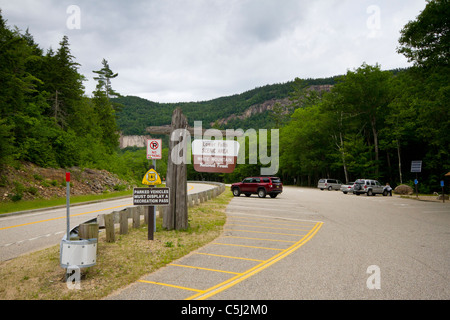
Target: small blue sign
x,y
415,181
442,183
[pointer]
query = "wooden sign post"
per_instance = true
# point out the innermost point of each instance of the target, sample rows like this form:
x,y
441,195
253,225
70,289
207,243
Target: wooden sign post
x,y
176,214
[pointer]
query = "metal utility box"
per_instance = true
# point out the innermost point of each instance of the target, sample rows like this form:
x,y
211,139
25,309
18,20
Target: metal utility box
x,y
80,253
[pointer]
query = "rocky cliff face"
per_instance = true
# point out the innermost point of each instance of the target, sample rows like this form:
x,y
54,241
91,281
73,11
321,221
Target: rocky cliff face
x,y
268,105
255,109
131,141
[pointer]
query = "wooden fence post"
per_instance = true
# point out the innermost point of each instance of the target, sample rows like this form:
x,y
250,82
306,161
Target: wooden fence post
x,y
136,217
88,231
123,220
109,227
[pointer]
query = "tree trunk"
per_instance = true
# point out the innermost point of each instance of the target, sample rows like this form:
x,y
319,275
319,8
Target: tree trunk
x,y
375,142
399,162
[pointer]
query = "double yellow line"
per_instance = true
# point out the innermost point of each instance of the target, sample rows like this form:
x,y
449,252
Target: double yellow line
x,y
263,265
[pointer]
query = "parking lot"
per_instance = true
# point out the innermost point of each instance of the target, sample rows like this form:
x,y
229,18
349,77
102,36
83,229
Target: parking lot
x,y
251,242
312,244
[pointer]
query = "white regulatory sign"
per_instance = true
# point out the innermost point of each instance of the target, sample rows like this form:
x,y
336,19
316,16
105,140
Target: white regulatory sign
x,y
416,166
154,149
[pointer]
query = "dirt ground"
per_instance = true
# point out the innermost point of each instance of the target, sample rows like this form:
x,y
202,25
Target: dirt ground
x,y
29,181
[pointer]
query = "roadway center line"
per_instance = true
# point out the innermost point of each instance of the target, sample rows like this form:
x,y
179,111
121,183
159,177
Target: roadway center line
x,y
72,215
63,217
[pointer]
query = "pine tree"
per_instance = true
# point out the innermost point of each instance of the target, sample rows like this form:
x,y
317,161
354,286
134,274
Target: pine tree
x,y
104,80
63,82
105,108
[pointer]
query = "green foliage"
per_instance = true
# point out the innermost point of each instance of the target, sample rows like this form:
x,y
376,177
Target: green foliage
x,y
104,80
44,116
138,114
426,40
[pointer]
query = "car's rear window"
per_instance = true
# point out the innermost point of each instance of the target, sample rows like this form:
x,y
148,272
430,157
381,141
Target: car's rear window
x,y
321,180
276,180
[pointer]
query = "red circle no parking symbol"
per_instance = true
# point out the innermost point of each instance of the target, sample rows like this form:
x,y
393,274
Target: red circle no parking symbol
x,y
154,145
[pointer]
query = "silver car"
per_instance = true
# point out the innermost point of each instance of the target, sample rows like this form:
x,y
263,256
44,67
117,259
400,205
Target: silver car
x,y
346,188
329,184
367,186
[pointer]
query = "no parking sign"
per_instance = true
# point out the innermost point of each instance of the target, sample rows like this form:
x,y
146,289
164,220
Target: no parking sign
x,y
154,147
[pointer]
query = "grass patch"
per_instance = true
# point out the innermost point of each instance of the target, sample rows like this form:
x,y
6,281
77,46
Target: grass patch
x,y
7,207
39,276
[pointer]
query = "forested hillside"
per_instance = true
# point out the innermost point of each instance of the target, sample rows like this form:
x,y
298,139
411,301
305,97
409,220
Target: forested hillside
x,y
371,123
138,113
45,116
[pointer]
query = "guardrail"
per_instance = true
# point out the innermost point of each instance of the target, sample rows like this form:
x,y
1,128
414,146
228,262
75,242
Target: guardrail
x,y
80,248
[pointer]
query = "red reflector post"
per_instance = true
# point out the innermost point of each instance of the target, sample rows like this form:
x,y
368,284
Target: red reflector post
x,y
67,176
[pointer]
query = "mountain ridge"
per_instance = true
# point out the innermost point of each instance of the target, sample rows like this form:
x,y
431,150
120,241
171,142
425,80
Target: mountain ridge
x,y
243,110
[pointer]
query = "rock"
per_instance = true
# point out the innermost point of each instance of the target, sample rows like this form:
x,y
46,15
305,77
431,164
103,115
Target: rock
x,y
403,189
440,197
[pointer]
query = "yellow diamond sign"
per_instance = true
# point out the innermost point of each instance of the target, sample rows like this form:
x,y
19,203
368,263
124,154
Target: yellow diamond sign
x,y
151,178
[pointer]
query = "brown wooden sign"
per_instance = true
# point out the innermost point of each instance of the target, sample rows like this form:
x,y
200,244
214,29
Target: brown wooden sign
x,y
215,155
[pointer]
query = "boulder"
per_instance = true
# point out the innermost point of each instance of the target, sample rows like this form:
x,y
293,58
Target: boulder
x,y
440,197
403,189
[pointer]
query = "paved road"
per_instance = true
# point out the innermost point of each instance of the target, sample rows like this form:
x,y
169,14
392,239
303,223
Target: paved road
x,y
312,244
20,234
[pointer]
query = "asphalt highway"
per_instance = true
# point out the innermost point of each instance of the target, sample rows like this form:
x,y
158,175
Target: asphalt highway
x,y
27,232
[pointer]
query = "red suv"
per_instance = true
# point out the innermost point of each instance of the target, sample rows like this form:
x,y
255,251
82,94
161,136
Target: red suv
x,y
258,185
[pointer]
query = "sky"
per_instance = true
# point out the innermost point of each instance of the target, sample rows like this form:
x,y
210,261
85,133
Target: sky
x,y
197,50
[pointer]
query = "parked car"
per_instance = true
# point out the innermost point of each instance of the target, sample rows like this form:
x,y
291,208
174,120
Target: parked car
x,y
368,186
330,184
258,185
346,188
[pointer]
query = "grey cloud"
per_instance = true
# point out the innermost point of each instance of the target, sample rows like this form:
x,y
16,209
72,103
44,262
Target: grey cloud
x,y
180,50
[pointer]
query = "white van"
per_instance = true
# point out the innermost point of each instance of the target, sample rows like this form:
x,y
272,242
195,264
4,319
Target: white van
x,y
329,184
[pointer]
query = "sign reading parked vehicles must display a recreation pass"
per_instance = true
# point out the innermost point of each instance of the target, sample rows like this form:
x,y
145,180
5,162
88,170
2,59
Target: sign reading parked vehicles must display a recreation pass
x,y
151,196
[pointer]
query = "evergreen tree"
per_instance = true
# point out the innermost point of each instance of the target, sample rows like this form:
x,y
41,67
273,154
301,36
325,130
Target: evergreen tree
x,y
104,80
64,83
105,108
